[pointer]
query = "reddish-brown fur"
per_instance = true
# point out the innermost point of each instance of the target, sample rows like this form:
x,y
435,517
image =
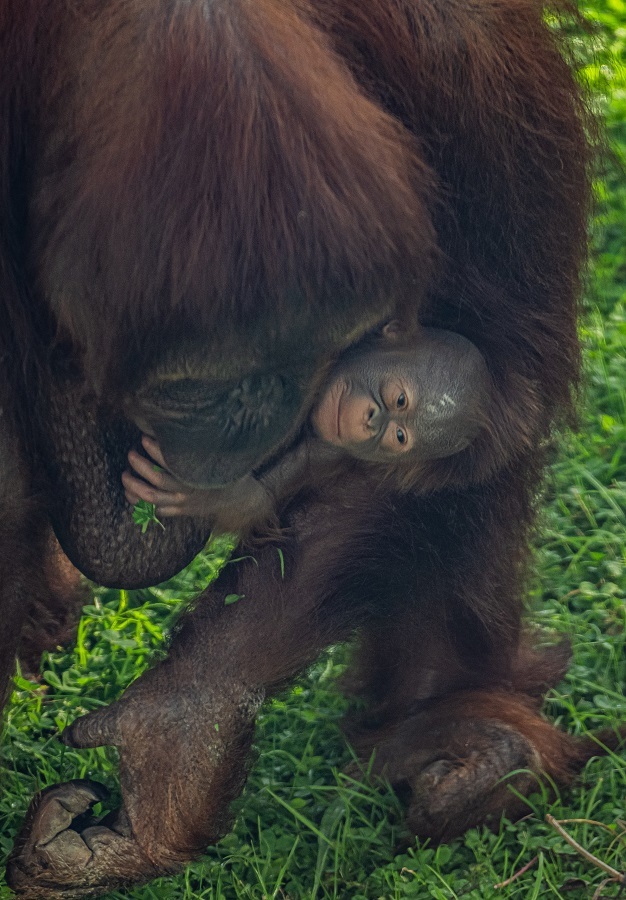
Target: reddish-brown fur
x,y
53,616
197,188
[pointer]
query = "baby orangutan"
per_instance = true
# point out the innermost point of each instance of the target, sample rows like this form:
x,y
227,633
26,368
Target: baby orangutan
x,y
389,400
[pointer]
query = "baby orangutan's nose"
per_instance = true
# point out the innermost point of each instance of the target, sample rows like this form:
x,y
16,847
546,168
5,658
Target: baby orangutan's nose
x,y
373,419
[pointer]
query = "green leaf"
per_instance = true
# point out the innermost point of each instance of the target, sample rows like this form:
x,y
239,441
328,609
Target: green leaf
x,y
144,515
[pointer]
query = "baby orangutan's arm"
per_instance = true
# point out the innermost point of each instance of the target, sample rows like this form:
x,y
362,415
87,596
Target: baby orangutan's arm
x,y
237,507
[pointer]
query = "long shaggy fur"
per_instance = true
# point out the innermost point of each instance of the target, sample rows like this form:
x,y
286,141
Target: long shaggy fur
x,y
193,188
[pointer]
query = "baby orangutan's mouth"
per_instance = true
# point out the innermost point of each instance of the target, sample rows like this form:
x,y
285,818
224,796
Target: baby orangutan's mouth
x,y
338,422
326,418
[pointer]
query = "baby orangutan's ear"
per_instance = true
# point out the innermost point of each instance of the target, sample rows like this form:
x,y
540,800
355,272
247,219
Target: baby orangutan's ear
x,y
393,331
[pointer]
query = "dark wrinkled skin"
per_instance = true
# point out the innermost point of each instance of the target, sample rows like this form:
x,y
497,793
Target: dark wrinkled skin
x,y
213,434
90,515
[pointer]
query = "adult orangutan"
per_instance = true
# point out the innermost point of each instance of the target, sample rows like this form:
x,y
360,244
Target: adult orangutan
x,y
204,203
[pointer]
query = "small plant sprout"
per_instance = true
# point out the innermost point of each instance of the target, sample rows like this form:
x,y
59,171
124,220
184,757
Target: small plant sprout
x,y
144,515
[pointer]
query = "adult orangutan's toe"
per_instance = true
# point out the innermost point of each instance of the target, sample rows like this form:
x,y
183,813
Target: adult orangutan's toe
x,y
448,796
63,854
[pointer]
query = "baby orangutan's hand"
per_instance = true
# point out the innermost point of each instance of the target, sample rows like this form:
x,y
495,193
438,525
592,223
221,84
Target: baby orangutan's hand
x,y
232,508
156,485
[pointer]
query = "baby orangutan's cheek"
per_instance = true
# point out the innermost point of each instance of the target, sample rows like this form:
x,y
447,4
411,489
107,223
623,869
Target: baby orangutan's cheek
x,y
325,417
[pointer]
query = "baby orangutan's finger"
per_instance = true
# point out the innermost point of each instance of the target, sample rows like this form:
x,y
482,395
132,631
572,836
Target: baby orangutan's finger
x,y
166,503
168,512
152,449
156,477
132,498
137,488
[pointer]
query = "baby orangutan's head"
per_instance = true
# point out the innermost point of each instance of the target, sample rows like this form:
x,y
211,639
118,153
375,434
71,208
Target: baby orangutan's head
x,y
391,396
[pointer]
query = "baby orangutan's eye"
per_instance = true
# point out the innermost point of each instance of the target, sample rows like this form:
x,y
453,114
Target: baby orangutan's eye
x,y
401,401
400,436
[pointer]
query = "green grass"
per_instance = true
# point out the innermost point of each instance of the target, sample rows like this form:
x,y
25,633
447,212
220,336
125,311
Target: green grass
x,y
304,828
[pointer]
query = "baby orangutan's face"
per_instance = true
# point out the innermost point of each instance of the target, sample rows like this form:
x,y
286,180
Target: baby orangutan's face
x,y
371,406
394,398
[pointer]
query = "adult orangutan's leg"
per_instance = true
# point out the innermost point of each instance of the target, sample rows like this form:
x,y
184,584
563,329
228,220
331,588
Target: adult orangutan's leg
x,y
452,685
22,539
183,731
54,610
